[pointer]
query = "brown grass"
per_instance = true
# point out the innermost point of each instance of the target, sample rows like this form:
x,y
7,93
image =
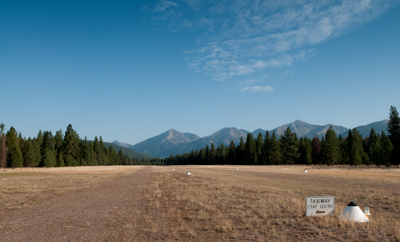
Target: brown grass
x,y
268,203
220,203
22,187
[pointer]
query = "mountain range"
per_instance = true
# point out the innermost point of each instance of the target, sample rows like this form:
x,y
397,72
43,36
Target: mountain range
x,y
175,142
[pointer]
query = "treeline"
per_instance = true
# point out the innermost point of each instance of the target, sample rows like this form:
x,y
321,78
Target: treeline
x,y
66,149
377,149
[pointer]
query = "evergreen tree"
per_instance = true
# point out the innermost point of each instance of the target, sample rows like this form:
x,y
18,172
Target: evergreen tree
x,y
202,156
60,160
14,155
29,154
386,150
289,147
48,150
316,151
221,154
259,148
207,152
266,150
374,147
213,154
103,157
121,158
331,149
71,146
305,151
59,141
355,148
232,153
344,158
255,160
240,152
250,148
37,146
112,155
3,147
85,152
394,135
49,158
275,150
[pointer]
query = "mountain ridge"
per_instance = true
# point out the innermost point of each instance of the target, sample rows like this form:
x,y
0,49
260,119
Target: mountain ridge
x,y
175,142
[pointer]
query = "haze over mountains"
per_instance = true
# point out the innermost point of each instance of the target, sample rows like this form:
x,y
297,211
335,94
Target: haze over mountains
x,y
175,142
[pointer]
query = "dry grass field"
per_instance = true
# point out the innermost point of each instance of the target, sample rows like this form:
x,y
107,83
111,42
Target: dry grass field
x,y
222,203
22,187
268,203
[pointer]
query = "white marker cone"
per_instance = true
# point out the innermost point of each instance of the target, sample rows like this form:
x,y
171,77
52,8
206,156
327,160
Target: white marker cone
x,y
353,213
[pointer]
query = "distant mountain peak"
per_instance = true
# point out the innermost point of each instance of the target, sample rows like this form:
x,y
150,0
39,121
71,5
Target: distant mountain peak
x,y
121,144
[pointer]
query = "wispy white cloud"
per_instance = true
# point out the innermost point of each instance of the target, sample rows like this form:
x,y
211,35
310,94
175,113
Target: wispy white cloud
x,y
242,37
257,89
164,5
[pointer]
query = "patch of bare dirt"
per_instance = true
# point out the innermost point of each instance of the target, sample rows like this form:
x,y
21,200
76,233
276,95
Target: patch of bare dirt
x,y
110,211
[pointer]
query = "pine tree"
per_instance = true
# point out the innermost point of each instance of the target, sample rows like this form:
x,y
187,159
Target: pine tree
x,y
48,150
305,151
207,152
316,151
29,154
60,160
355,148
103,156
344,158
266,150
202,156
121,158
221,154
240,152
3,147
250,148
259,148
289,147
49,158
232,153
394,135
71,146
275,150
331,148
373,147
37,146
213,154
386,150
14,155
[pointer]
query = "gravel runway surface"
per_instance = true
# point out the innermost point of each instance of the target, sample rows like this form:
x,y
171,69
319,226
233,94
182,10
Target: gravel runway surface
x,y
108,212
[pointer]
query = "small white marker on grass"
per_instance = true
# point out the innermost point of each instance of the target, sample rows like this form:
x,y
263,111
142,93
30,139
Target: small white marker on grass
x,y
188,173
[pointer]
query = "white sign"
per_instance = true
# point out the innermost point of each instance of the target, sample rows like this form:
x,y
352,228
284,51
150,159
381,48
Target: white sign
x,y
320,206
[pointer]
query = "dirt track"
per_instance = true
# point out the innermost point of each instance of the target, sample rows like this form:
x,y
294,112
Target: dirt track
x,y
109,212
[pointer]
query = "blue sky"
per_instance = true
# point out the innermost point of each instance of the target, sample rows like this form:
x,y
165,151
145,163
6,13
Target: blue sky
x,y
130,70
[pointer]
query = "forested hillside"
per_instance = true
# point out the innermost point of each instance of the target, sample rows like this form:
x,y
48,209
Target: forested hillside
x,y
265,149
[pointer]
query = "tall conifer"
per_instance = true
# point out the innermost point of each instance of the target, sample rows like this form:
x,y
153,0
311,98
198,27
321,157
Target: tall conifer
x,y
331,148
289,147
394,135
3,147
